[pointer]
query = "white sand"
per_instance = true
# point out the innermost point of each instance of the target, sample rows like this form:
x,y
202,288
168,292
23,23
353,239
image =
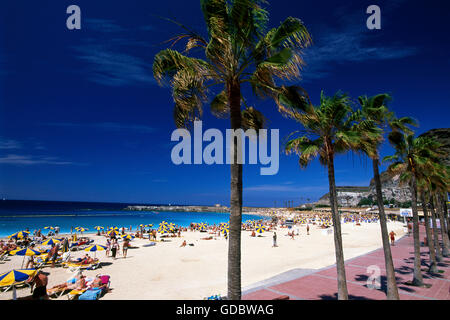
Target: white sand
x,y
166,271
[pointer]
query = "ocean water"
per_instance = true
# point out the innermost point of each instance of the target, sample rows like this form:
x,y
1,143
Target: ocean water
x,y
18,215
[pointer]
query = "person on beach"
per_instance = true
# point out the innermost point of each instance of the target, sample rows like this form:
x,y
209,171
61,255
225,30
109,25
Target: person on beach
x,y
183,244
65,245
76,283
392,235
30,261
274,240
53,254
126,244
307,229
114,248
40,282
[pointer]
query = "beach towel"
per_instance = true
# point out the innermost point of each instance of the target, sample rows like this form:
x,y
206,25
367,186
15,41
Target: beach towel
x,y
105,279
91,294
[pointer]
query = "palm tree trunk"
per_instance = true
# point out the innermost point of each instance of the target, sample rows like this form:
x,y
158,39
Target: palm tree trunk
x,y
444,204
437,246
432,252
340,266
417,277
392,290
234,242
444,235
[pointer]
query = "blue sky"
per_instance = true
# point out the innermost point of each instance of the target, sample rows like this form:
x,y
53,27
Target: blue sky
x,y
81,117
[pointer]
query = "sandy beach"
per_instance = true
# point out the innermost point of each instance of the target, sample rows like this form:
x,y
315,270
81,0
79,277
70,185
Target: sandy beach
x,y
168,271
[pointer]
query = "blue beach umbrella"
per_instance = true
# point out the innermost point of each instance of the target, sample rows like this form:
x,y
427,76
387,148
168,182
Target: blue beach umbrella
x,y
260,228
19,235
13,277
94,248
50,242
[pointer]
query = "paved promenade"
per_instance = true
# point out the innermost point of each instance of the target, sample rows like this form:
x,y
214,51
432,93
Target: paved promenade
x,y
302,284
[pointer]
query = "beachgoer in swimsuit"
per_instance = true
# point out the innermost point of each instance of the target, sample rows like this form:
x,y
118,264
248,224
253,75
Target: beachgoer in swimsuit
x,y
126,244
40,281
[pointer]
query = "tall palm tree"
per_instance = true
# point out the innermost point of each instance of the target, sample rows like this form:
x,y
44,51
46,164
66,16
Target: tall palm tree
x,y
437,246
412,158
375,108
238,49
424,186
329,129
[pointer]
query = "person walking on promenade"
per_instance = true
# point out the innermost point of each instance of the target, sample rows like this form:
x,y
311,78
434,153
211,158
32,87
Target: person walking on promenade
x,y
392,235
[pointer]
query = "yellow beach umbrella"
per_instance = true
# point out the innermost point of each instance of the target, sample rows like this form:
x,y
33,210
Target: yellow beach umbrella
x,y
127,236
11,278
260,228
94,248
19,235
24,252
50,242
112,232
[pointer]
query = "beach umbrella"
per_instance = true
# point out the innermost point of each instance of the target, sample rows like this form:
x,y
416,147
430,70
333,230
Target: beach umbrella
x,y
163,230
113,228
94,248
260,228
163,223
49,227
81,229
98,228
225,228
11,278
112,232
50,242
202,226
149,225
127,236
24,252
19,234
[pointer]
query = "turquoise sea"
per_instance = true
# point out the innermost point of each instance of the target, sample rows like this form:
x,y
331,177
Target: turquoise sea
x,y
18,215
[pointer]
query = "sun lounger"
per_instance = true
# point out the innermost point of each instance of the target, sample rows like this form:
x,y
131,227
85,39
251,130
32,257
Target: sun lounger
x,y
57,292
91,294
17,284
4,256
73,266
94,293
75,293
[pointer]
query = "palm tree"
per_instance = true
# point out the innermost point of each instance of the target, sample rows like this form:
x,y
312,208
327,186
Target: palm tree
x,y
238,49
441,185
375,109
412,158
329,129
424,187
437,246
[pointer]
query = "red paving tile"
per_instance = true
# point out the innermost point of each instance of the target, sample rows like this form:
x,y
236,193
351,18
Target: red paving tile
x,y
261,295
323,284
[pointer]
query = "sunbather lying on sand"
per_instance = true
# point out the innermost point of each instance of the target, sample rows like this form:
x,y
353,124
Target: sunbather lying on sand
x,y
97,283
79,284
207,238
